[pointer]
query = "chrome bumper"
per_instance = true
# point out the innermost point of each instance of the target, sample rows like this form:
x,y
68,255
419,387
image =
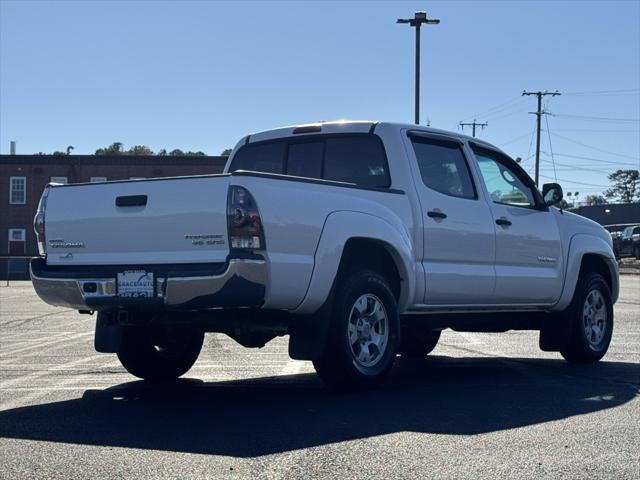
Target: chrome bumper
x,y
242,284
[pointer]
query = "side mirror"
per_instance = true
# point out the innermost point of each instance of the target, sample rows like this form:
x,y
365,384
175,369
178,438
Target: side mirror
x,y
552,194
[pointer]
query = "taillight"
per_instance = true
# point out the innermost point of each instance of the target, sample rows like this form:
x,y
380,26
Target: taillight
x,y
245,225
38,223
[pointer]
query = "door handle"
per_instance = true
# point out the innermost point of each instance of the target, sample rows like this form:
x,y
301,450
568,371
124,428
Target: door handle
x,y
131,201
503,222
436,214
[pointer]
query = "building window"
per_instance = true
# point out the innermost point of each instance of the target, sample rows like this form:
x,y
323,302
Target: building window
x,y
18,190
62,180
17,234
97,179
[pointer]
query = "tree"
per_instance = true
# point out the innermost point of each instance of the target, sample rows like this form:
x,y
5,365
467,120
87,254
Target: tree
x,y
595,200
176,152
626,185
140,150
162,152
226,152
195,154
58,153
114,149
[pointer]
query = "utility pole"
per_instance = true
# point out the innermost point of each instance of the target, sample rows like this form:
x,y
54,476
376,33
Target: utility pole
x,y
539,114
418,19
473,125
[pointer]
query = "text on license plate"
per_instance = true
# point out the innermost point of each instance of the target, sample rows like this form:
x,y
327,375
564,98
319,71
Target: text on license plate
x,y
135,283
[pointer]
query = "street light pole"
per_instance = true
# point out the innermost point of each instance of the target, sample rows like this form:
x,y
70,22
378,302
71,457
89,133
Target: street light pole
x,y
418,19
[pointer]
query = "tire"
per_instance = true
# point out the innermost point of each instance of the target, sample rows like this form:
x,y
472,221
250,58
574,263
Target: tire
x,y
364,333
418,344
636,252
159,354
590,318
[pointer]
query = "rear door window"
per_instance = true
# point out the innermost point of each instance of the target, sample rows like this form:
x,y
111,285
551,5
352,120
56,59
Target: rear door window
x,y
262,157
443,167
305,159
359,159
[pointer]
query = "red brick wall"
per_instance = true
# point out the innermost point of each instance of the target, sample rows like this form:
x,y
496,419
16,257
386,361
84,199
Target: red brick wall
x,y
38,171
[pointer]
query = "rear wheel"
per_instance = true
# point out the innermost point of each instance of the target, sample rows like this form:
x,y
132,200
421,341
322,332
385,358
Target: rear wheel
x,y
364,332
418,344
159,353
590,318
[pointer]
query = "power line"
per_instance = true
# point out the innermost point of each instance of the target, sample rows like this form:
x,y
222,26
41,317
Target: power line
x,y
576,182
514,140
533,134
630,91
538,113
497,108
595,130
553,160
594,148
576,167
509,114
596,119
595,159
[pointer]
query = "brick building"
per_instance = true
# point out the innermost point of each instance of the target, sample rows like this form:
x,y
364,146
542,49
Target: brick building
x,y
23,178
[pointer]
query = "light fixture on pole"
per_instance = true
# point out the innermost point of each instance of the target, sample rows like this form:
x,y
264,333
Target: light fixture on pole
x,y
418,19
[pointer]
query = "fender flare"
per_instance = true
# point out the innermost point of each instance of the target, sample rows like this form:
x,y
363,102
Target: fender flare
x,y
579,246
341,226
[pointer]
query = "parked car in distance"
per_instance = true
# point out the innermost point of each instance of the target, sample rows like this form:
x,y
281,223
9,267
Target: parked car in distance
x,y
359,240
628,243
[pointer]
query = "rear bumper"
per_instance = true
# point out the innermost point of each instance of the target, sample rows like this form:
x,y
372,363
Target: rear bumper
x,y
241,284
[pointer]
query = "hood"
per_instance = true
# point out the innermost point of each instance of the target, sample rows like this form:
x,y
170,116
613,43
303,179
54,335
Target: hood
x,y
571,224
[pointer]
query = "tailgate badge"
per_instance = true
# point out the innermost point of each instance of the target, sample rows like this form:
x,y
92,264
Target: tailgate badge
x,y
60,243
205,238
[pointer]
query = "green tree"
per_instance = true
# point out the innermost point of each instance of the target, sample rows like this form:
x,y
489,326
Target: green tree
x,y
226,152
114,149
176,152
58,153
194,154
595,200
140,150
626,185
162,152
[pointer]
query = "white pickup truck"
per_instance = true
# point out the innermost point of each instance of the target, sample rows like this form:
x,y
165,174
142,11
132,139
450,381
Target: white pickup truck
x,y
360,240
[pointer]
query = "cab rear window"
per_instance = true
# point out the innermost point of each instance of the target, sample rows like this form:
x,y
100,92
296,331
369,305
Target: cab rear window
x,y
265,157
357,159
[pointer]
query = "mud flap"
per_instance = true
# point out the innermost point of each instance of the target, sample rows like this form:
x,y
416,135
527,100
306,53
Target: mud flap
x,y
108,333
308,333
554,332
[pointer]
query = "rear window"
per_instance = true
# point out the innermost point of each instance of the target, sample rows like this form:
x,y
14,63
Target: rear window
x,y
357,159
263,157
305,159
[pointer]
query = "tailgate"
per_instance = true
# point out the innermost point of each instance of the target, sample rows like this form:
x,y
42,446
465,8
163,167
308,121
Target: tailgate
x,y
169,221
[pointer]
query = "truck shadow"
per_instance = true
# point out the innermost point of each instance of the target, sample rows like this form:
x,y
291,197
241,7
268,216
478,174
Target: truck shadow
x,y
246,418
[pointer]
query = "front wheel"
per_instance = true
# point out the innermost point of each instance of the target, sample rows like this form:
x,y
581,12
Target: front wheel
x,y
159,353
364,332
590,318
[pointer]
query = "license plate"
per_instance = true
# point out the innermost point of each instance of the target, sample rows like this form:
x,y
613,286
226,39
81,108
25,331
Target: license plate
x,y
135,283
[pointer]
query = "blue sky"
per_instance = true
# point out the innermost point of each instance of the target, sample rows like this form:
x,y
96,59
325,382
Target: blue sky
x,y
199,75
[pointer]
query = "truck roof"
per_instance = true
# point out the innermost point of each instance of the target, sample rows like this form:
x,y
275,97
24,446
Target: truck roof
x,y
353,126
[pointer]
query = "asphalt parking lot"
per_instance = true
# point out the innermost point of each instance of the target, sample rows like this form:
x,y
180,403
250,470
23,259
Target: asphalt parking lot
x,y
481,406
